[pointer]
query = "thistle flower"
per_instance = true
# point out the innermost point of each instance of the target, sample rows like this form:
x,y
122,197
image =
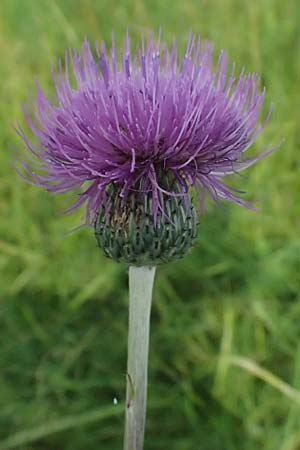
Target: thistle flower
x,y
143,135
141,138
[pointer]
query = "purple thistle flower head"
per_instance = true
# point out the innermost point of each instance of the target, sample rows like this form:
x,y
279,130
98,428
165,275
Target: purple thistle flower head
x,y
131,123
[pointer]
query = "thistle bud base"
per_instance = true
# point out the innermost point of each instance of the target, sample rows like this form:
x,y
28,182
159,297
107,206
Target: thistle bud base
x,y
128,231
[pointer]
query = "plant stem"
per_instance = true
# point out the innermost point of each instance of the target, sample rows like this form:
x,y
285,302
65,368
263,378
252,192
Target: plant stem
x,y
141,281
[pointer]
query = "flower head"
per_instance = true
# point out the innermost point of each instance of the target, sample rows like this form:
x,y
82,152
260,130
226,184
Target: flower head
x,y
131,124
148,123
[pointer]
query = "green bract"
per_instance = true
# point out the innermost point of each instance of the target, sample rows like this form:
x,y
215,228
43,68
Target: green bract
x,y
127,231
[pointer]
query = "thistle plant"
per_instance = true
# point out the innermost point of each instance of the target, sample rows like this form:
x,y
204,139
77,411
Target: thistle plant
x,y
144,139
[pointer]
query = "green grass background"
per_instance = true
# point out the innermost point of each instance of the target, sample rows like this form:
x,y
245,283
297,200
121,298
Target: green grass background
x,y
225,342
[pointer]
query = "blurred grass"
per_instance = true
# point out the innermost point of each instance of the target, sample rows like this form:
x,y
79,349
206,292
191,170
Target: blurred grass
x,y
225,348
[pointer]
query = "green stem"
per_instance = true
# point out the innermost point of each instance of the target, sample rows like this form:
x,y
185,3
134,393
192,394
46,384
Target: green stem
x,y
141,281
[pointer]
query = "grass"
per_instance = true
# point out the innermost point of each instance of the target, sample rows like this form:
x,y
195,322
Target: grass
x,y
225,343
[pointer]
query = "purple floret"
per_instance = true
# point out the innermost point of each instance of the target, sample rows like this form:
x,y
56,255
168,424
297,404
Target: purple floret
x,y
135,121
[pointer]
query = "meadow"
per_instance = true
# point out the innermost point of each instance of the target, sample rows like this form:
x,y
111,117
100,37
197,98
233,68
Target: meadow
x,y
225,337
